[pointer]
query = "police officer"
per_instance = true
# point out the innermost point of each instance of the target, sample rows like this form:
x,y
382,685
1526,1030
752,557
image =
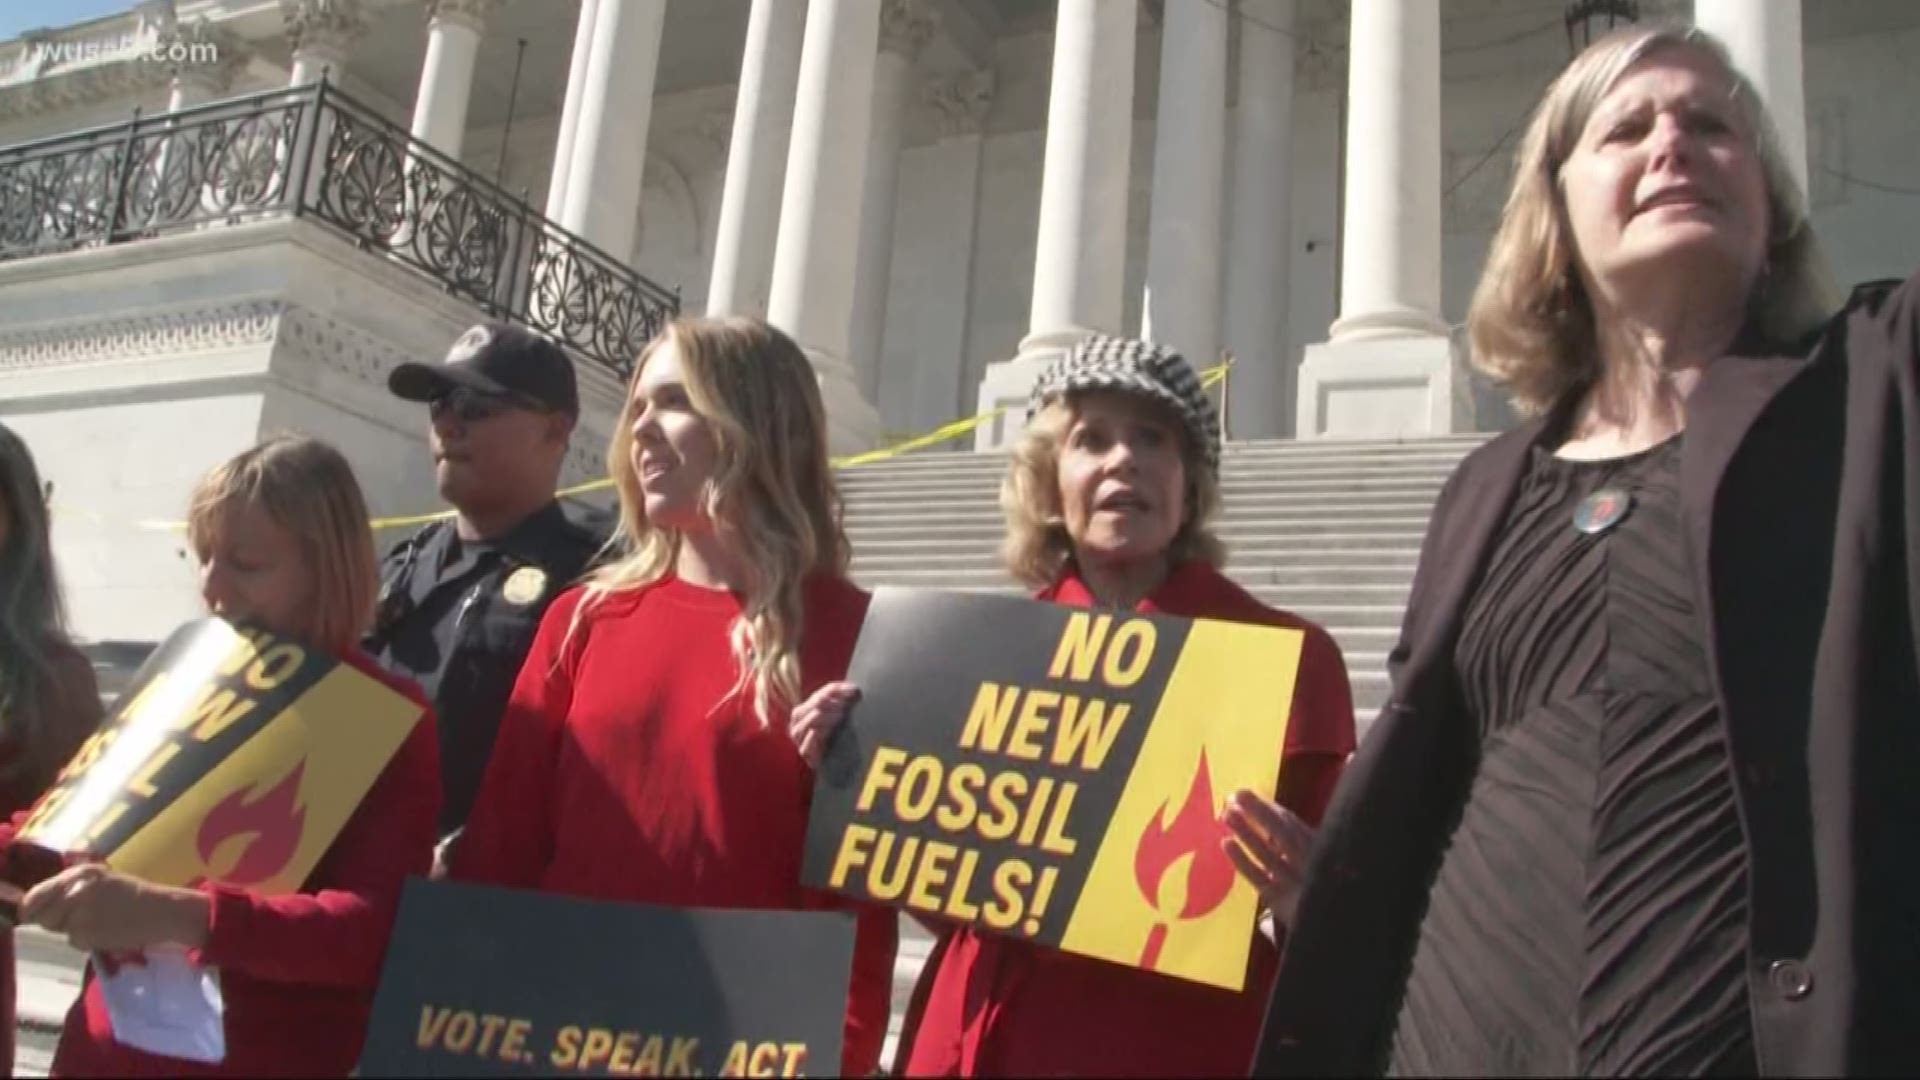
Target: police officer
x,y
461,599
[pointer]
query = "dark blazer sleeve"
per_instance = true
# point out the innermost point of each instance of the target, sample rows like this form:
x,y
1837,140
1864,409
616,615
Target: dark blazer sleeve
x,y
1900,324
1338,989
1891,998
1882,334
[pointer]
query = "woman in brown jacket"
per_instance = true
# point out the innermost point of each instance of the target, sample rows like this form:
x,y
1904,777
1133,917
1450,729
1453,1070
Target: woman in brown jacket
x,y
1642,799
49,703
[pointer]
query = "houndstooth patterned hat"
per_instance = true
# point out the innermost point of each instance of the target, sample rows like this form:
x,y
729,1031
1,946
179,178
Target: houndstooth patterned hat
x,y
1100,362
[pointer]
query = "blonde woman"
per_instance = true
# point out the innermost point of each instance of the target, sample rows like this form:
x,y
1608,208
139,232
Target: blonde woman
x,y
283,542
644,753
1642,800
1110,496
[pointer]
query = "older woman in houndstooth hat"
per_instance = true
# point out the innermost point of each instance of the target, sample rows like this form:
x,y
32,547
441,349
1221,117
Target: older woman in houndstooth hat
x,y
1110,496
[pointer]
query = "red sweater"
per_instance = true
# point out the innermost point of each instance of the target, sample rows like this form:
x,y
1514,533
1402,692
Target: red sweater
x,y
992,1006
298,972
619,774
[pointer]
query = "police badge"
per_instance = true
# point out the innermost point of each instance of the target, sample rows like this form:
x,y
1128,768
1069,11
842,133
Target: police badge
x,y
524,585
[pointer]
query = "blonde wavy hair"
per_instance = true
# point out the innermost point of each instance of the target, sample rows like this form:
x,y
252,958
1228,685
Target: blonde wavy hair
x,y
772,497
1531,322
1037,548
307,488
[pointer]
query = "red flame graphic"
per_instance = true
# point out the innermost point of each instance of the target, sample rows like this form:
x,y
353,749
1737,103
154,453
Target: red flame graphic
x,y
274,821
1195,831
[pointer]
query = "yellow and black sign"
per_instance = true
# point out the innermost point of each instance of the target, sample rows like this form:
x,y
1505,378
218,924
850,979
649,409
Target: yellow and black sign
x,y
506,982
1055,774
235,756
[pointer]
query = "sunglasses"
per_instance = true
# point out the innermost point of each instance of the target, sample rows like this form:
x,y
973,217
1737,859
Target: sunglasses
x,y
473,406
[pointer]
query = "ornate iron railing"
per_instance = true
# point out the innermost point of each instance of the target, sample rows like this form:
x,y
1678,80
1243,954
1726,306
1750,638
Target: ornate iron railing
x,y
318,154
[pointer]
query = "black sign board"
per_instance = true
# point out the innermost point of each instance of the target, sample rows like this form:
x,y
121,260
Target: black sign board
x,y
483,981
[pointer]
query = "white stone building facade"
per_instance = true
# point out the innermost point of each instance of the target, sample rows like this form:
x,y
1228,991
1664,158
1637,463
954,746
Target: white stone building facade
x,y
930,195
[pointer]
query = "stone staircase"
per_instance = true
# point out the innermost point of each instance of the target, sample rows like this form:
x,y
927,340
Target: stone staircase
x,y
1328,530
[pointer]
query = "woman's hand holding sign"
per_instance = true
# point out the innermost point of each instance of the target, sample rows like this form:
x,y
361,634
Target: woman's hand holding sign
x,y
100,910
1270,846
816,719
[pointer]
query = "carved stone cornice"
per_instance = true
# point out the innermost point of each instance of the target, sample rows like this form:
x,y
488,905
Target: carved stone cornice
x,y
136,337
328,27
314,338
906,26
310,338
208,328
472,14
960,103
128,81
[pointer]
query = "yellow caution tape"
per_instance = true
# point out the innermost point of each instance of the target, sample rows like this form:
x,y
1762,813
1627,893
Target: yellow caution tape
x,y
938,435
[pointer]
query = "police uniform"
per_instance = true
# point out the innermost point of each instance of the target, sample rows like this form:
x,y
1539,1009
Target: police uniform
x,y
458,616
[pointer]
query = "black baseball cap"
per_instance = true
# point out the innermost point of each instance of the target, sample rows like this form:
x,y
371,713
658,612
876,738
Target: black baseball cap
x,y
495,358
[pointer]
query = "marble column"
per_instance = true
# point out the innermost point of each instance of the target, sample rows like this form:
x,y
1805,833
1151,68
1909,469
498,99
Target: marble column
x,y
1259,236
1182,303
1079,264
609,153
757,159
905,27
1390,276
321,32
193,85
454,28
1388,368
1764,39
570,107
946,204
818,245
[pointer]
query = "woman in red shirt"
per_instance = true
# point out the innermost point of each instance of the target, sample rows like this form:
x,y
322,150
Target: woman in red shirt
x,y
283,541
644,753
49,702
1108,496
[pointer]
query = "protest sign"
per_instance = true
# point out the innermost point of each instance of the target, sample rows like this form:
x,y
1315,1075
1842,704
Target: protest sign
x,y
1055,774
234,756
484,981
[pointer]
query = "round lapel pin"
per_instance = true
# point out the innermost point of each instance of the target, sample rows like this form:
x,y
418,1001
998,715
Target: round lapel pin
x,y
1602,510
